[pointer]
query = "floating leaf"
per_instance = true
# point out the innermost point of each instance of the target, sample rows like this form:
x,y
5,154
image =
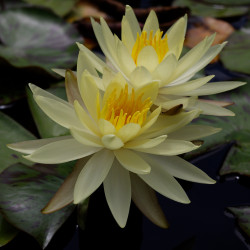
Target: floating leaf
x,y
11,131
38,38
59,7
236,54
234,129
226,2
7,231
23,193
200,8
46,127
242,215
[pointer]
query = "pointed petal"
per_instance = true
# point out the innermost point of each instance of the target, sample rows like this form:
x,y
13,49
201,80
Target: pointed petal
x,y
72,89
180,168
112,142
87,138
146,200
148,58
134,25
176,35
128,132
170,147
89,92
146,143
85,119
212,109
140,77
64,195
151,23
61,151
188,86
214,88
93,174
59,112
206,58
106,127
125,62
164,183
117,190
165,69
88,60
28,147
193,132
131,161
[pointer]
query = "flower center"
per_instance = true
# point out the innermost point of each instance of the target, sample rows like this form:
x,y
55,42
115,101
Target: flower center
x,y
125,108
157,42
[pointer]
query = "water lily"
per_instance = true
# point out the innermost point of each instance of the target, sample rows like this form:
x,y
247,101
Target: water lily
x,y
157,56
121,139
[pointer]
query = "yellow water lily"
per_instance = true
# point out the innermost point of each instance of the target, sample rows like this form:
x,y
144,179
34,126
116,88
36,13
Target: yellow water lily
x,y
123,138
146,55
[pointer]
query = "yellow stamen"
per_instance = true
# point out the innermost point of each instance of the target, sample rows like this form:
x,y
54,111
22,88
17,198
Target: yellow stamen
x,y
124,107
157,42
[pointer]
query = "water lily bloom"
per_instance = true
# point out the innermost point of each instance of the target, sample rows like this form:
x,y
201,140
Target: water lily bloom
x,y
122,140
146,55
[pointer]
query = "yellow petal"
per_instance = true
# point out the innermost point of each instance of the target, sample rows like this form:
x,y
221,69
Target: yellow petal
x,y
146,143
133,23
28,147
106,127
117,190
86,137
140,77
61,151
112,142
164,183
148,58
93,174
170,147
89,92
132,162
85,119
59,112
176,35
193,132
151,23
128,131
165,69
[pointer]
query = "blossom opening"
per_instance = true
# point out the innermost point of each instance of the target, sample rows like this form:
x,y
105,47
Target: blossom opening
x,y
121,109
157,42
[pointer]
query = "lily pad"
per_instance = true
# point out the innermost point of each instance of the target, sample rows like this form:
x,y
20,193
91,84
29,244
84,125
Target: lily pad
x,y
236,54
46,127
11,131
35,37
225,2
59,7
201,9
7,231
24,191
234,129
242,215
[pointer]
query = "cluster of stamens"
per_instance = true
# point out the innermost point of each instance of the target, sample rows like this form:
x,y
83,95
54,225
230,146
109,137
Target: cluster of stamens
x,y
123,108
157,42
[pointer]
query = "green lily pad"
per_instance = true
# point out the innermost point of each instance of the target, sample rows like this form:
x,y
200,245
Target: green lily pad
x,y
59,7
24,191
11,131
234,129
46,127
35,37
242,215
225,2
7,231
199,8
235,56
